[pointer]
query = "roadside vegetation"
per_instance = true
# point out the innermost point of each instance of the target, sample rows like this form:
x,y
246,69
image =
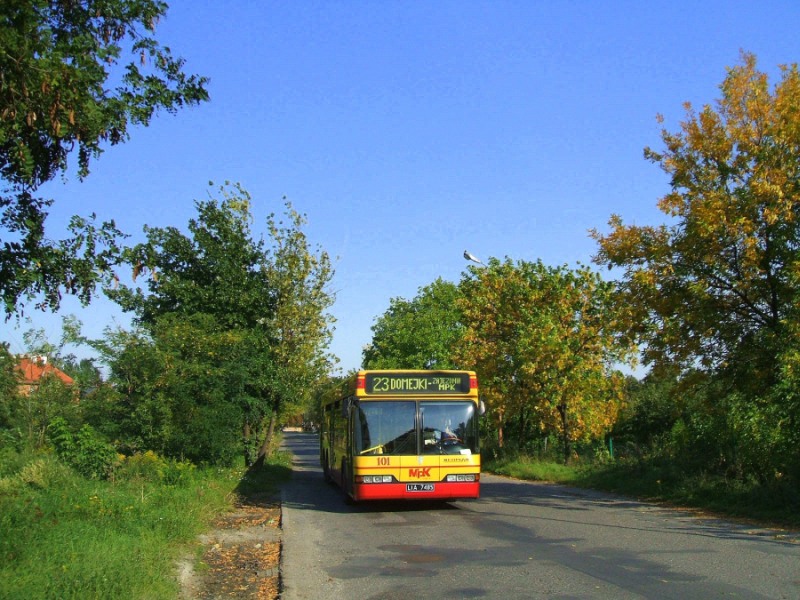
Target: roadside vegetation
x,y
110,467
705,305
66,535
658,480
105,481
109,471
663,447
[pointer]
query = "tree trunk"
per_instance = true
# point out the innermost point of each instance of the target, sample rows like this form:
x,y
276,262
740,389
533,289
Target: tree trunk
x,y
248,459
267,445
562,409
523,429
500,431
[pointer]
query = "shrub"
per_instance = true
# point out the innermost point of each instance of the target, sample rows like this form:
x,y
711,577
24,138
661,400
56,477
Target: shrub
x,y
86,452
22,472
149,466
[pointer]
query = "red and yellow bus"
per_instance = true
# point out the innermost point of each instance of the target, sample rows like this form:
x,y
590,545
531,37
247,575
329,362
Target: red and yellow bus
x,y
394,434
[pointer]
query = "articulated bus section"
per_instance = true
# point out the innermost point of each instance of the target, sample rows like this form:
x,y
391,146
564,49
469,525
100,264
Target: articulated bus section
x,y
404,435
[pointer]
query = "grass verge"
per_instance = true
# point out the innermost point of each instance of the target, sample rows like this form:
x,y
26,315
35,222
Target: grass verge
x,y
67,537
777,505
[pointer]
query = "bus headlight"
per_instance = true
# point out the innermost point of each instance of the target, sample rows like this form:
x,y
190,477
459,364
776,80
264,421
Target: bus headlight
x,y
375,479
462,478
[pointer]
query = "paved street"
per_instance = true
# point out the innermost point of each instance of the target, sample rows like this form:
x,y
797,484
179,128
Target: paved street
x,y
520,540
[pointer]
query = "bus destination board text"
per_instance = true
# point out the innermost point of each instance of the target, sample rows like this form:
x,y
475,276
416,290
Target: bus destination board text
x,y
398,383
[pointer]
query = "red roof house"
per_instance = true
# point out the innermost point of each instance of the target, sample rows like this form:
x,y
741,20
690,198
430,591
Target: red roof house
x,y
34,369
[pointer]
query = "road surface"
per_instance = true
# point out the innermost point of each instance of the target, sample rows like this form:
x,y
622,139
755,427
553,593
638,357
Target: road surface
x,y
520,540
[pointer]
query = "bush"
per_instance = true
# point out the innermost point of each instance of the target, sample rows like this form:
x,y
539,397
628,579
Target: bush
x,y
22,472
149,466
86,452
31,414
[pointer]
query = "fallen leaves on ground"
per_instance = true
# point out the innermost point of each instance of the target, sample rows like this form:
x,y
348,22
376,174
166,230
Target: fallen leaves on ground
x,y
241,557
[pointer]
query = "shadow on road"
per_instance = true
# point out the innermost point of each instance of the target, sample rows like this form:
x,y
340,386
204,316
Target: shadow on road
x,y
308,490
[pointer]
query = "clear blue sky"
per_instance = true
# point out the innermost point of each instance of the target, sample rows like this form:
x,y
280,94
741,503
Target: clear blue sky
x,y
411,131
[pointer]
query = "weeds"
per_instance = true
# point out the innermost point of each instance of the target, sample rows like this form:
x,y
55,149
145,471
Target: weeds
x,y
63,535
660,480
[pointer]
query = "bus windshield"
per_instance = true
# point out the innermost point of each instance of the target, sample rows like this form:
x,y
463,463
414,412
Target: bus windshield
x,y
392,427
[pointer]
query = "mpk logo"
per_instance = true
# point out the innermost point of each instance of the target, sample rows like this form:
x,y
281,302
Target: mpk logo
x,y
419,473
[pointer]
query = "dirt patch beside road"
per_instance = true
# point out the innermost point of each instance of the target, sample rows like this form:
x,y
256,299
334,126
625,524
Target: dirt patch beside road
x,y
240,557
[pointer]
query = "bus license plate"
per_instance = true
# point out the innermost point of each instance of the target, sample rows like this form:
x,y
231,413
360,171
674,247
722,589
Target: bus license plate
x,y
420,487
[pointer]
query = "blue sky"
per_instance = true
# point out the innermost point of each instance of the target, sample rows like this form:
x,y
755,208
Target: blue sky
x,y
410,131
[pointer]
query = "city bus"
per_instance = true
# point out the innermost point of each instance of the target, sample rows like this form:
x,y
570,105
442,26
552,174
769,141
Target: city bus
x,y
392,434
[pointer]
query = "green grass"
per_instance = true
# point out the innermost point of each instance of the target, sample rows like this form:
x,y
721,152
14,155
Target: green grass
x,y
777,504
530,469
63,536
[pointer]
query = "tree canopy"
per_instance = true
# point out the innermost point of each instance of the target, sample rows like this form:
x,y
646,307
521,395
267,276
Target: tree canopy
x,y
65,87
421,333
717,284
542,340
715,289
234,330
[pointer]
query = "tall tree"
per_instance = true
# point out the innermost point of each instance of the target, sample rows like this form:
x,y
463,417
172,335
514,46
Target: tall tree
x,y
421,333
715,286
217,269
242,324
209,307
542,341
9,382
299,276
63,87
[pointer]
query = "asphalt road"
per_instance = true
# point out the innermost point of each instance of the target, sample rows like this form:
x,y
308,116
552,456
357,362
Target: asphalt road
x,y
520,540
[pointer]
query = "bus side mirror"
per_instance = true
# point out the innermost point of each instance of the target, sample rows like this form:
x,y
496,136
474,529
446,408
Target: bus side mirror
x,y
481,408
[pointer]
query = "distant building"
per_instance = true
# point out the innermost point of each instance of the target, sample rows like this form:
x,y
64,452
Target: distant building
x,y
34,369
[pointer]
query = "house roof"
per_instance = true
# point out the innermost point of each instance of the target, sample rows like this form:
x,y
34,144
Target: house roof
x,y
33,370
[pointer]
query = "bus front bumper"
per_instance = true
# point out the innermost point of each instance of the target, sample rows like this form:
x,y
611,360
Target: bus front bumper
x,y
417,491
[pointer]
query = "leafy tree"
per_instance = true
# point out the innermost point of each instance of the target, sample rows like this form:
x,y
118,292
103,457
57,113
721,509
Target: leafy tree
x,y
85,373
652,407
421,333
65,86
210,373
208,309
30,414
38,343
239,326
542,341
299,276
136,410
716,288
9,383
217,269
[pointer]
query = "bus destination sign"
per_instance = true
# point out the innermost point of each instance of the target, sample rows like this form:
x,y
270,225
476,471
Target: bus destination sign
x,y
417,383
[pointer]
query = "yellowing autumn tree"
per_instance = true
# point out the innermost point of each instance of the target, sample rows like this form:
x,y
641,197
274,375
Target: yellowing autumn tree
x,y
715,289
541,339
714,286
299,274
